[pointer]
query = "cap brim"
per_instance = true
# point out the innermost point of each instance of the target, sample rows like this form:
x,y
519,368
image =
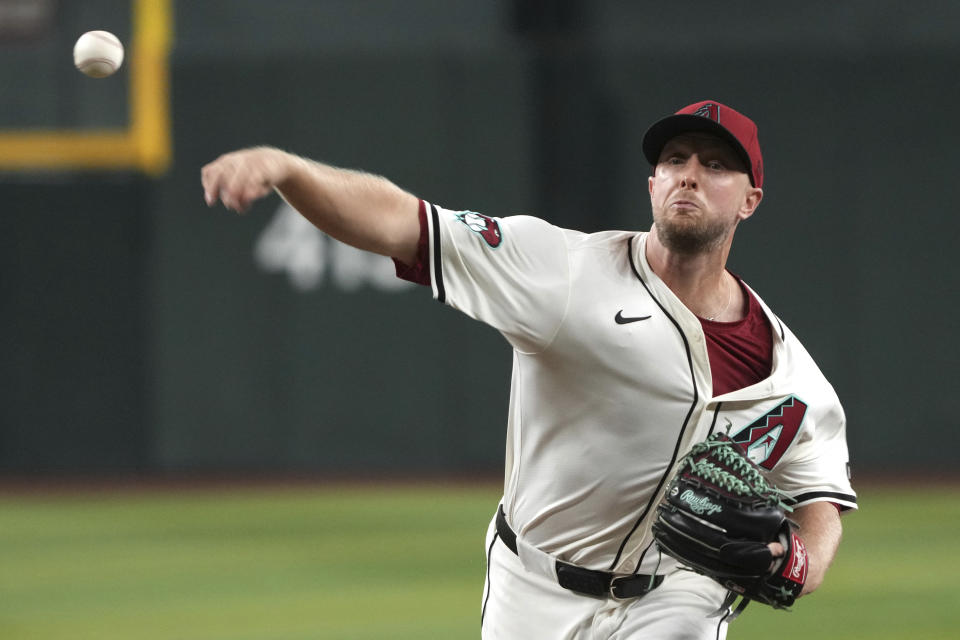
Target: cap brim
x,y
662,131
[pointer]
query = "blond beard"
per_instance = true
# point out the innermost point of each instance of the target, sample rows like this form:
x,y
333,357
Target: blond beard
x,y
691,236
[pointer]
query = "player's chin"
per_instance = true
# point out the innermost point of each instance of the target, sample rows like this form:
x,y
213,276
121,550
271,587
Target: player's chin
x,y
682,234
685,216
690,234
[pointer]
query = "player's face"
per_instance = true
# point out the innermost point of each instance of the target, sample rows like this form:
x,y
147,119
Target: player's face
x,y
699,192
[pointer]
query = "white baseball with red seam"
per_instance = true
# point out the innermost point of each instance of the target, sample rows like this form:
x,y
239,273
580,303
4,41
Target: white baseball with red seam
x,y
98,54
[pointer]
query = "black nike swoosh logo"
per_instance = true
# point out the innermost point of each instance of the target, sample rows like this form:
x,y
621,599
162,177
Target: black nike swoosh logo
x,y
622,320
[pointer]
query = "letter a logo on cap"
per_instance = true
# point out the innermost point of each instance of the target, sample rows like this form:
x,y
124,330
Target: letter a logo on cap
x,y
709,110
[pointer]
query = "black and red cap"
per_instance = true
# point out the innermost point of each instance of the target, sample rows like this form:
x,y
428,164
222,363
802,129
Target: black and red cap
x,y
711,117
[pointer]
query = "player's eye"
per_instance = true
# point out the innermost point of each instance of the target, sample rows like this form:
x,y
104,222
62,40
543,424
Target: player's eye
x,y
716,165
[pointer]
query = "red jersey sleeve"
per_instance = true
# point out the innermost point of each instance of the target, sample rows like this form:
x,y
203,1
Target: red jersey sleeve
x,y
419,271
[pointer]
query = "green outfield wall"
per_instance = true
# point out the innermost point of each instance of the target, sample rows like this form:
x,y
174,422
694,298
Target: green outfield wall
x,y
143,331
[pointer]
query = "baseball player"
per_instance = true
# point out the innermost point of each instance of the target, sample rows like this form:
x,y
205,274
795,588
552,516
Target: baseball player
x,y
628,348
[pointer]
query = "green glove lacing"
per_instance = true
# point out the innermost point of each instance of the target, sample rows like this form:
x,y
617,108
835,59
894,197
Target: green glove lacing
x,y
748,481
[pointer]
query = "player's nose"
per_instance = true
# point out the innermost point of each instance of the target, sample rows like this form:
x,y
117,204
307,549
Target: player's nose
x,y
689,175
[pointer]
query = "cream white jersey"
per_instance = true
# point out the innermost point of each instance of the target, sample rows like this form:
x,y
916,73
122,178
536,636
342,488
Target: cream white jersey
x,y
612,385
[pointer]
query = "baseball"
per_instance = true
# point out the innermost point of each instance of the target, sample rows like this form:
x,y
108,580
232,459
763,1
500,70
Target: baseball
x,y
98,54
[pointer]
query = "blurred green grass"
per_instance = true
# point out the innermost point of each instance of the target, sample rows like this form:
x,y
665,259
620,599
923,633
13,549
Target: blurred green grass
x,y
357,563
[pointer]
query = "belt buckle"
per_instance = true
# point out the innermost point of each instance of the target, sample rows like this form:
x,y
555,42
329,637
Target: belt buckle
x,y
613,586
652,582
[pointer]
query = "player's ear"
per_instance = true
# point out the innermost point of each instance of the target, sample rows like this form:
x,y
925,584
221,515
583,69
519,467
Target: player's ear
x,y
650,185
751,202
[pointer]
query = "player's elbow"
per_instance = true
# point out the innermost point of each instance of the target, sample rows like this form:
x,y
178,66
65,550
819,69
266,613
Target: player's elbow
x,y
812,584
401,232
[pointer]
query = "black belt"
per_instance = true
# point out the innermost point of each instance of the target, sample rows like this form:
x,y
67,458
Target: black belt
x,y
587,581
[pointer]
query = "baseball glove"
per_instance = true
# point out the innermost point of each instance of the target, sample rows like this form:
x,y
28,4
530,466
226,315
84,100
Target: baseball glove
x,y
718,517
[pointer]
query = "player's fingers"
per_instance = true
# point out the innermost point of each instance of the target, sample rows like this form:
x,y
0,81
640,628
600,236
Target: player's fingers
x,y
218,176
236,200
210,177
239,178
254,191
778,552
231,183
243,187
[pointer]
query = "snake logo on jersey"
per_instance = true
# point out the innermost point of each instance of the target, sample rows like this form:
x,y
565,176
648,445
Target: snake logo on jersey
x,y
767,438
487,227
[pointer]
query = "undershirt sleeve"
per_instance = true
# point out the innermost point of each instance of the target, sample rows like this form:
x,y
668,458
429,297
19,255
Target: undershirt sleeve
x,y
419,271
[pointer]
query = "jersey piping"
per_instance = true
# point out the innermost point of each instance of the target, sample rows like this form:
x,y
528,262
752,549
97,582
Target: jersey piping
x,y
436,256
783,335
489,587
713,423
844,500
686,420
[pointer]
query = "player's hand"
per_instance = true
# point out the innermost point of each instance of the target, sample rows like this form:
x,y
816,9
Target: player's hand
x,y
239,178
778,551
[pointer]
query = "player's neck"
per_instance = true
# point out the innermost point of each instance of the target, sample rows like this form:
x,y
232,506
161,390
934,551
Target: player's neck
x,y
699,280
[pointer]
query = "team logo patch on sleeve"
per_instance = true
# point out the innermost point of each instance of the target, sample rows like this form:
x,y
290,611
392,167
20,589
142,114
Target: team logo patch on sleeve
x,y
485,226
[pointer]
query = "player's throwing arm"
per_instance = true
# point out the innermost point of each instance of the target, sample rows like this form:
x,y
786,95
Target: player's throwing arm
x,y
360,209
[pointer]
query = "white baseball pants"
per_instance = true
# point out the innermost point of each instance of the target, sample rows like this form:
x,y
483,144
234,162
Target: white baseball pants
x,y
519,605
